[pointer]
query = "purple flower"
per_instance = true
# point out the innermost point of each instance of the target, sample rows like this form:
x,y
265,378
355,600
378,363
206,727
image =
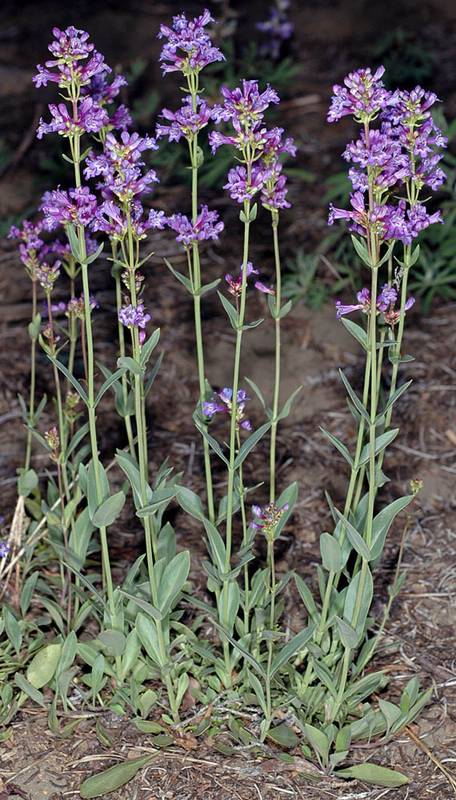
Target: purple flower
x,y
274,190
111,220
121,119
135,317
363,95
4,549
75,60
277,27
60,207
363,304
245,104
263,288
267,518
212,407
393,315
76,306
121,167
387,297
235,284
185,122
243,187
91,118
47,275
189,48
31,245
101,90
206,226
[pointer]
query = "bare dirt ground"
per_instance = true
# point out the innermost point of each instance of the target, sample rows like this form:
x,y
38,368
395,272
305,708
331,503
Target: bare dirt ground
x,y
331,37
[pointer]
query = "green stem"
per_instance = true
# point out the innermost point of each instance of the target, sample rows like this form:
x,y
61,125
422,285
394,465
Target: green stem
x,y
233,427
143,462
196,285
31,414
107,575
272,591
121,337
275,403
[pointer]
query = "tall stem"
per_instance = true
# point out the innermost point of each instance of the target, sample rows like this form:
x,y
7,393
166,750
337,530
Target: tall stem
x,y
107,575
233,425
121,337
31,414
196,284
143,462
275,403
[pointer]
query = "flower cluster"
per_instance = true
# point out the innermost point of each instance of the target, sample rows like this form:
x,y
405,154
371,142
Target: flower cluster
x,y
121,167
61,207
400,155
266,519
30,244
259,148
212,407
189,47
278,29
386,302
206,226
235,284
135,317
186,122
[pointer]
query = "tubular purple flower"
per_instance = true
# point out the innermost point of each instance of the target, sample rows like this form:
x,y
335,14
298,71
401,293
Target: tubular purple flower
x,y
91,119
206,226
75,60
212,407
184,122
246,103
363,95
60,207
192,40
4,549
242,187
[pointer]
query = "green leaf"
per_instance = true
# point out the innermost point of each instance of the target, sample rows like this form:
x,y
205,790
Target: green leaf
x,y
43,665
356,331
318,741
250,443
149,346
259,691
216,544
213,443
126,362
343,450
190,502
173,579
27,483
93,256
12,629
284,736
306,597
366,599
286,308
113,778
348,636
257,391
233,315
181,278
228,605
113,378
381,442
29,690
375,775
356,540
160,497
361,250
75,383
73,239
391,713
113,641
331,553
27,592
208,287
287,652
109,510
395,396
147,634
354,397
383,521
288,404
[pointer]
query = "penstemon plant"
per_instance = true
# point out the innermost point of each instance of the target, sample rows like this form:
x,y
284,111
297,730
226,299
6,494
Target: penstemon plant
x,y
156,643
